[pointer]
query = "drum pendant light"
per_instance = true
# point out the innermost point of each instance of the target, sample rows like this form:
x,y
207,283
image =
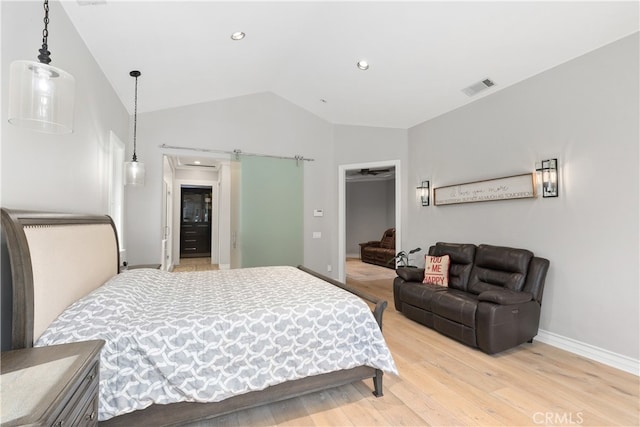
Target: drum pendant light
x,y
41,97
134,170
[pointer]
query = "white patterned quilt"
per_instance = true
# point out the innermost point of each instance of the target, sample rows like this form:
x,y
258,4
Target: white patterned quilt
x,y
206,336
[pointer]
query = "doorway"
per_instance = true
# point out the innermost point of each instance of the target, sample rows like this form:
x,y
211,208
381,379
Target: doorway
x,y
195,172
195,221
343,172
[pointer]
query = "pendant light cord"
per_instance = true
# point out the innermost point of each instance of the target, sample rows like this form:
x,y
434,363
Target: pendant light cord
x,y
45,55
136,74
135,118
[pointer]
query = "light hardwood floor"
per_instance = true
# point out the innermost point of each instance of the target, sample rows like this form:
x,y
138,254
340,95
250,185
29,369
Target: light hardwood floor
x,y
444,383
195,264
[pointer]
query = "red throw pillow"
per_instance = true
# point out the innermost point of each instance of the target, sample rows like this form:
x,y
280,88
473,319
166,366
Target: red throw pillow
x,y
436,270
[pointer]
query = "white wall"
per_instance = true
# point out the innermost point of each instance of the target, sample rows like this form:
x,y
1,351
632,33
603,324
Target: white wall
x,y
57,172
585,113
197,174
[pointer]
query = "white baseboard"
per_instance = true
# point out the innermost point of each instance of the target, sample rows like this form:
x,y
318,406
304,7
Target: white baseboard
x,y
589,351
353,255
224,266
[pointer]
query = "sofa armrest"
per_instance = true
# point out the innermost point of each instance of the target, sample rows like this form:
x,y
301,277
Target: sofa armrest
x,y
410,274
499,327
505,297
371,244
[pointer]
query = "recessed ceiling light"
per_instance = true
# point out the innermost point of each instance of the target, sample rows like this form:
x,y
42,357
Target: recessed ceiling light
x,y
196,162
238,35
363,65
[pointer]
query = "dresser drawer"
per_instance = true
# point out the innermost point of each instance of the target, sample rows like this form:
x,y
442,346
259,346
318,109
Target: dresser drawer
x,y
89,416
82,401
196,231
195,241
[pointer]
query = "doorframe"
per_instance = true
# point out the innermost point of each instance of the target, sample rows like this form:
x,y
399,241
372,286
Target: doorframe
x,y
167,221
342,206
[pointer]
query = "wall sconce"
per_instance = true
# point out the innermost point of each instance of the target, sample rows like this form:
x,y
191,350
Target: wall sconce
x,y
549,171
423,193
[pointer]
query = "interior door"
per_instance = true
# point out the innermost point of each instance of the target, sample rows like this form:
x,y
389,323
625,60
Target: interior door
x,y
269,208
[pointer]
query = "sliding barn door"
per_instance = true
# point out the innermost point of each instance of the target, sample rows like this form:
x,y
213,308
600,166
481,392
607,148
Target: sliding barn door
x,y
268,206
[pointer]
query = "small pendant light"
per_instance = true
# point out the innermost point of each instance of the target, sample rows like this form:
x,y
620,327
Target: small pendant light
x,y
134,170
41,97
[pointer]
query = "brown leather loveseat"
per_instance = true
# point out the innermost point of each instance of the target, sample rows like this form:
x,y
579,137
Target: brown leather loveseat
x,y
380,252
493,299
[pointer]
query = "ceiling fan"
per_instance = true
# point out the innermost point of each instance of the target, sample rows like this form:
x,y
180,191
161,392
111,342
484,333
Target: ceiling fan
x,y
367,171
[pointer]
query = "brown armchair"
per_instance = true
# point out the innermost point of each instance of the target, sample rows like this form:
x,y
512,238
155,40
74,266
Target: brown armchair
x,y
380,252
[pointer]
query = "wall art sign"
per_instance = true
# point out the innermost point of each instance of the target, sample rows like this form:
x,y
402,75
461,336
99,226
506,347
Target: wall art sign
x,y
510,187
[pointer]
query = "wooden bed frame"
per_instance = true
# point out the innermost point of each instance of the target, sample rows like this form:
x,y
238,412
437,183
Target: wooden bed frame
x,y
69,255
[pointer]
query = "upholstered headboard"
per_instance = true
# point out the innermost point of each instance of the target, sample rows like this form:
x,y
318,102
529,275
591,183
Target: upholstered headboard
x,y
55,260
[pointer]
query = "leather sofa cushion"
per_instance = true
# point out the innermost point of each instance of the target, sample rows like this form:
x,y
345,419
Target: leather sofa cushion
x,y
383,256
505,297
374,250
461,261
498,267
454,305
419,295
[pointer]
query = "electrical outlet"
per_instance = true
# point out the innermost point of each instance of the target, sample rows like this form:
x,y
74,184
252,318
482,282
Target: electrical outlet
x,y
329,269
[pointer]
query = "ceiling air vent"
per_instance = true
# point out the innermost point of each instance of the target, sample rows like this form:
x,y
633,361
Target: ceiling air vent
x,y
475,88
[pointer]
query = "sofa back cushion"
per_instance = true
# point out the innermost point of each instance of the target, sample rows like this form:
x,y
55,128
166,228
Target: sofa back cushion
x,y
498,267
388,240
461,257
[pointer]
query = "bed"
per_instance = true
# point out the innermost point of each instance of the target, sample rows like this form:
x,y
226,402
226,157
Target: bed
x,y
66,284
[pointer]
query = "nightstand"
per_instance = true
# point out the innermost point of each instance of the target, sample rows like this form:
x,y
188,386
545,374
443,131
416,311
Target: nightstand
x,y
133,267
154,266
55,385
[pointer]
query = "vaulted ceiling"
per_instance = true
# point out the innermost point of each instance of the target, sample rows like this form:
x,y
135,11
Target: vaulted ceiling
x,y
420,54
